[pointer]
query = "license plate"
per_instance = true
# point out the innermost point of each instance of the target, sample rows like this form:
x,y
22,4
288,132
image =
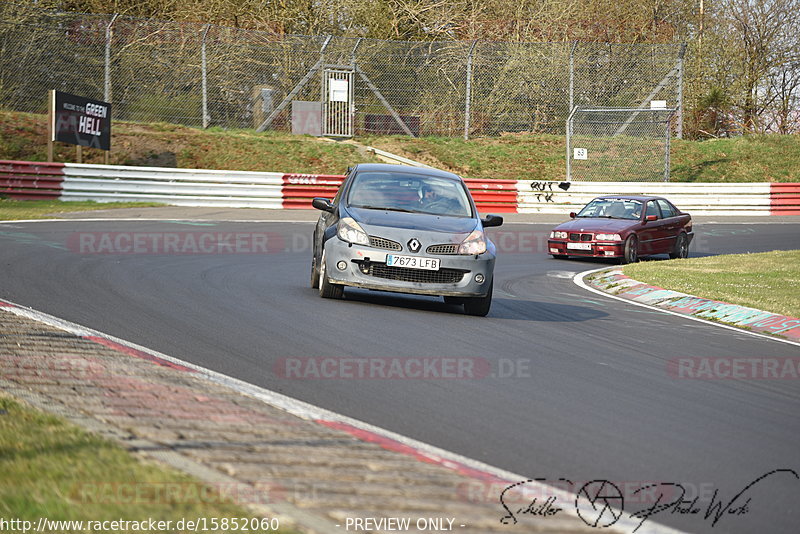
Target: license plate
x,y
579,246
413,262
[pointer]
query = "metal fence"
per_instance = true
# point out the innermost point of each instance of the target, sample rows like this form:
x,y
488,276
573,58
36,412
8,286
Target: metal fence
x,y
206,75
625,144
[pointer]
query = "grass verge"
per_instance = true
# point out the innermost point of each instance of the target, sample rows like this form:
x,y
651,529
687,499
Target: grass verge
x,y
23,136
768,281
17,210
56,470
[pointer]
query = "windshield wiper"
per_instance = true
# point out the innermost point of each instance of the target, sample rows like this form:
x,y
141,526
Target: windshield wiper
x,y
384,208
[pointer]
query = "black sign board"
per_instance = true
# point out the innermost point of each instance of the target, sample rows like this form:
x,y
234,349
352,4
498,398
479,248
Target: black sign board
x,y
81,121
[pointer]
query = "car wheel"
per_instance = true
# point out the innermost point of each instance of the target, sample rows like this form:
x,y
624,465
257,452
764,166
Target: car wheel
x,y
560,256
681,249
314,273
479,306
454,300
631,252
327,290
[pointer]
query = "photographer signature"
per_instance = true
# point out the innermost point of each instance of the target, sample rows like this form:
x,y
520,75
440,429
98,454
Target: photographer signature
x,y
601,503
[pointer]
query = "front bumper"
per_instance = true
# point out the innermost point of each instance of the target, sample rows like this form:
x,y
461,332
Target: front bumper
x,y
602,249
365,267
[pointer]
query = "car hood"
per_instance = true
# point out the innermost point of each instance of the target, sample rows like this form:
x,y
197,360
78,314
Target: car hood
x,y
590,224
413,221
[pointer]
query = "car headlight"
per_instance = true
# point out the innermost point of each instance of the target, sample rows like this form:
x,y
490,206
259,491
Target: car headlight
x,y
608,237
475,243
558,235
350,231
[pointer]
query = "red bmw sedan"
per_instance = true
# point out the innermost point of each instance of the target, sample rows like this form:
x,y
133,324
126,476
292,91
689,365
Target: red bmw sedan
x,y
624,227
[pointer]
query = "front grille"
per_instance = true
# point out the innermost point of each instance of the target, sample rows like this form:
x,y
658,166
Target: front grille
x,y
580,237
442,276
447,248
380,242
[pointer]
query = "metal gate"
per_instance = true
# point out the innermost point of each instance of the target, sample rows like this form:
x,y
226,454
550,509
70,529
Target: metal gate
x,y
337,98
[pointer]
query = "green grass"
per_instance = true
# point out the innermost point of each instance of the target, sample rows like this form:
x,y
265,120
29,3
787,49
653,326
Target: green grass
x,y
768,281
16,210
512,157
51,468
754,158
23,136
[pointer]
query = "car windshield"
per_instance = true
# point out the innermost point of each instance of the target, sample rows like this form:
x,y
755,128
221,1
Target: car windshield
x,y
612,208
407,192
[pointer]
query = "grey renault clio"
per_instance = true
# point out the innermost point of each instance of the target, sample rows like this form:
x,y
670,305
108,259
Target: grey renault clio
x,y
405,230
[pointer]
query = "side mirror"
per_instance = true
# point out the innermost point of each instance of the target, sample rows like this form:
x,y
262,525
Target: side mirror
x,y
572,215
323,204
651,218
492,220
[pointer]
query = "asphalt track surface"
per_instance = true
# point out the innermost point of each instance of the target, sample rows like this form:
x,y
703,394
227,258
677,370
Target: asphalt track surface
x,y
590,394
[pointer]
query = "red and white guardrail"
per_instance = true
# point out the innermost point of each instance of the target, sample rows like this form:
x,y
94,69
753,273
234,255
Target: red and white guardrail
x,y
188,187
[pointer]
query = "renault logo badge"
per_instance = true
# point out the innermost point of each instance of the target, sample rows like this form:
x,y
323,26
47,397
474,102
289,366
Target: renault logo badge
x,y
414,245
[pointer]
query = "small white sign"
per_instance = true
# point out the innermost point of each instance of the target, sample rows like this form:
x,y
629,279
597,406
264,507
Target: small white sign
x,y
658,104
580,153
338,90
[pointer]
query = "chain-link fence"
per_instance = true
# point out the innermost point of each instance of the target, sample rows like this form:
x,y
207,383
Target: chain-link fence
x,y
206,75
618,144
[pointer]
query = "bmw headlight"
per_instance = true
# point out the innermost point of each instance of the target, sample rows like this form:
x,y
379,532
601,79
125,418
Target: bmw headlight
x,y
607,237
558,235
475,243
350,231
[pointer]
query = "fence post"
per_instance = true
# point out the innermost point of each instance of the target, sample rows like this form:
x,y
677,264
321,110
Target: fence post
x,y
667,146
569,143
572,76
204,69
680,90
107,84
468,93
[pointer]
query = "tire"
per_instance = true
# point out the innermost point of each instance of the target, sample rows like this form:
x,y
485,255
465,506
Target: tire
x,y
314,273
327,290
560,256
630,253
681,250
479,306
454,300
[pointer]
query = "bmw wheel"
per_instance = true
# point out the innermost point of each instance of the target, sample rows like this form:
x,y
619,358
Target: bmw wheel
x,y
631,252
681,249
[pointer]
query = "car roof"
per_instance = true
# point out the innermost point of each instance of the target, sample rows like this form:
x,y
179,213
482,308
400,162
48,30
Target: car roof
x,y
642,198
388,167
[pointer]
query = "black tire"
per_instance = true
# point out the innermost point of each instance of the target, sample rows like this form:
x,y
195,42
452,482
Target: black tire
x,y
327,290
314,273
454,300
630,253
479,306
560,256
681,250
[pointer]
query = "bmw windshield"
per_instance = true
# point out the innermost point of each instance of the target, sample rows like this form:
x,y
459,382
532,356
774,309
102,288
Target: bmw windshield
x,y
407,192
613,208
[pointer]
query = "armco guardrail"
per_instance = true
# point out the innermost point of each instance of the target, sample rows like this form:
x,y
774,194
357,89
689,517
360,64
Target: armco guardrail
x,y
187,187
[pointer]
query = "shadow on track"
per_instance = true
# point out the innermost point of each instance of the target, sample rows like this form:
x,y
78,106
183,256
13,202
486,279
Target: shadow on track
x,y
502,308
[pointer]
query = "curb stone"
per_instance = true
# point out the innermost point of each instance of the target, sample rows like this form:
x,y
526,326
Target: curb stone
x,y
614,282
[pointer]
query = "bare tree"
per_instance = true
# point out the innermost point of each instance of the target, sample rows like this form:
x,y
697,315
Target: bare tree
x,y
763,41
